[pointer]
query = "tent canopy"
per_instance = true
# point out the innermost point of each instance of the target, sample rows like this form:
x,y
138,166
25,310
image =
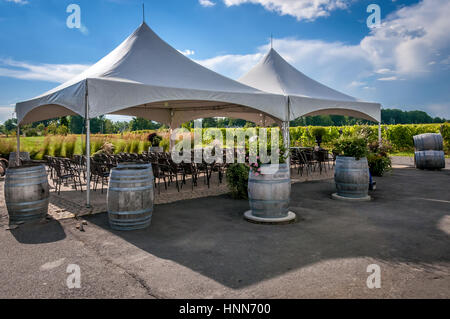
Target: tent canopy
x,y
306,96
144,76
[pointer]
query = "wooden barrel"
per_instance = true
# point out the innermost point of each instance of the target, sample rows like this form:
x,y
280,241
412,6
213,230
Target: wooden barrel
x,y
428,142
429,159
23,156
26,192
269,194
352,177
130,197
134,164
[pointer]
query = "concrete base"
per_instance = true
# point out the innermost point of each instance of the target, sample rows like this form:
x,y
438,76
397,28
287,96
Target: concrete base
x,y
351,199
290,218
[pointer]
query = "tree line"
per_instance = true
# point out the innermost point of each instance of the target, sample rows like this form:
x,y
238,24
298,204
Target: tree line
x,y
102,125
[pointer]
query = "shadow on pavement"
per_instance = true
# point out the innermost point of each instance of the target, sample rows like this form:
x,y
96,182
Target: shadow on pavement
x,y
37,232
209,235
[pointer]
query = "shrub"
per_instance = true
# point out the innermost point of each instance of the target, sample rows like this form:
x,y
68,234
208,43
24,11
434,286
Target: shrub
x,y
351,147
165,144
237,179
378,158
62,130
69,146
31,132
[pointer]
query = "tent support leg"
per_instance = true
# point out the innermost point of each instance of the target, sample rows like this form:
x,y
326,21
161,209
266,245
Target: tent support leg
x,y
18,146
172,142
88,147
88,163
286,137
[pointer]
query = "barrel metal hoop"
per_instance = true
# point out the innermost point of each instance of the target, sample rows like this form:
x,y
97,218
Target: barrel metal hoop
x,y
137,212
26,210
130,171
118,189
26,170
277,181
339,183
130,222
13,178
131,181
29,203
45,181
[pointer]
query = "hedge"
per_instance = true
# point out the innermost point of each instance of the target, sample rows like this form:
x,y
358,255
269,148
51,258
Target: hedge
x,y
400,136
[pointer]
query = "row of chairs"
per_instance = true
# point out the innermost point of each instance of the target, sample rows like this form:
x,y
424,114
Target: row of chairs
x,y
307,160
165,170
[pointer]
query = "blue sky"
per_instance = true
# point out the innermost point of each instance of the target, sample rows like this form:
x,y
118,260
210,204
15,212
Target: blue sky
x,y
403,64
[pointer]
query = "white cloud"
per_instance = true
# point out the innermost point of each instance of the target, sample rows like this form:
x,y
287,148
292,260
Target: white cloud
x,y
389,78
187,52
43,72
206,3
300,9
401,51
232,65
410,38
383,71
18,1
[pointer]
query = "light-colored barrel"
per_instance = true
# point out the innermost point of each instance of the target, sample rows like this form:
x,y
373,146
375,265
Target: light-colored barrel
x,y
352,177
26,192
130,197
428,142
429,159
134,164
23,156
269,194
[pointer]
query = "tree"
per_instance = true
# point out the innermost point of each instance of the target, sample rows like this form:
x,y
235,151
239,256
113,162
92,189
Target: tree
x,y
76,124
139,124
10,125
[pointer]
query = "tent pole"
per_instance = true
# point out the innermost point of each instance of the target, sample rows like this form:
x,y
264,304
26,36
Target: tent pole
x,y
88,150
286,133
18,146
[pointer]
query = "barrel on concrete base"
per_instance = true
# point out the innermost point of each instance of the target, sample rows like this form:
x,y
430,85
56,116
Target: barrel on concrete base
x,y
428,142
352,178
269,194
26,192
130,197
429,159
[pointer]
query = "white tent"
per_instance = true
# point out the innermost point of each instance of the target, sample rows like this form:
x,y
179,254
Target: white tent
x,y
146,77
306,96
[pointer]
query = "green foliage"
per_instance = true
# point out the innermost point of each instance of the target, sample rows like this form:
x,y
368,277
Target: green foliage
x,y
351,146
165,144
237,179
69,146
62,130
378,157
318,132
10,125
31,132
